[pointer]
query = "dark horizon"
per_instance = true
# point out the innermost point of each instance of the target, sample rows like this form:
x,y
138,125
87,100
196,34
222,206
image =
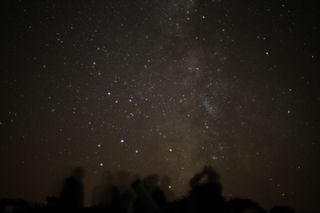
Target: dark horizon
x,y
132,193
164,87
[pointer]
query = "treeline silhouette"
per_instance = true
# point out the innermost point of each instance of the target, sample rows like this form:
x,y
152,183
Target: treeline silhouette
x,y
124,193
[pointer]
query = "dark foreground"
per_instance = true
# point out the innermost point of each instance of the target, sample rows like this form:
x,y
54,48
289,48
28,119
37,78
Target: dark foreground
x,y
126,194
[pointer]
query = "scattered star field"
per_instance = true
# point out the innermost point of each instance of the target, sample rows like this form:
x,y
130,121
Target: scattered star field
x,y
153,86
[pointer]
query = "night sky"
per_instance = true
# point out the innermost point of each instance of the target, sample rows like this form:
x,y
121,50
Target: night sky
x,y
154,86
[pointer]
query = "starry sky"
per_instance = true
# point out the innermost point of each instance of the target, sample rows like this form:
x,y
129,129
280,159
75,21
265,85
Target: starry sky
x,y
153,86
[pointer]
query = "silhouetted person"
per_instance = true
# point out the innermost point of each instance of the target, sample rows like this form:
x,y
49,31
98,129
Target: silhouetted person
x,y
124,195
206,192
105,192
151,184
144,202
71,195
